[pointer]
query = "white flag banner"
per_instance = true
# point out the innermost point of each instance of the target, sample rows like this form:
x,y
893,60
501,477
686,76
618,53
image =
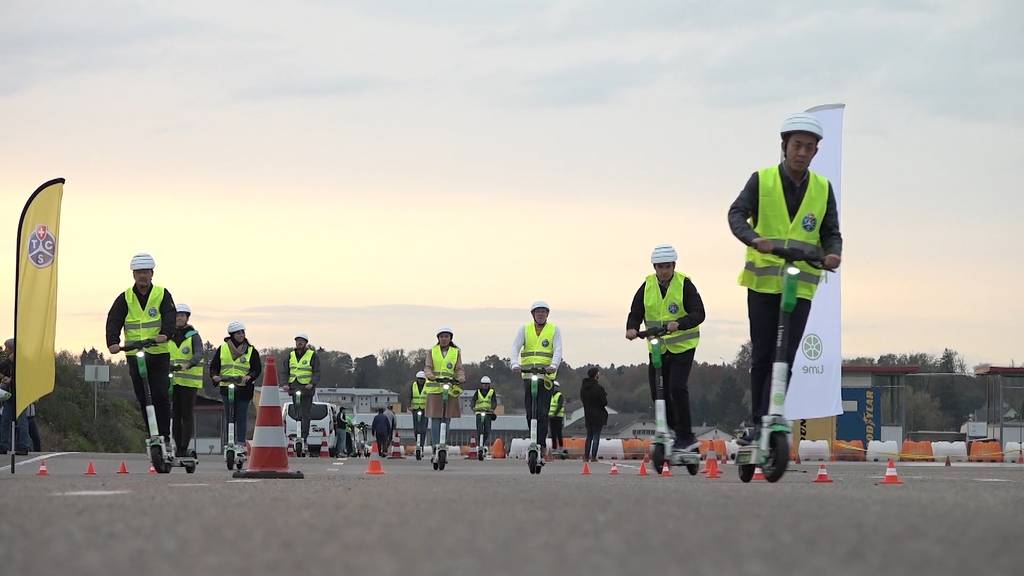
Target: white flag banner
x,y
815,389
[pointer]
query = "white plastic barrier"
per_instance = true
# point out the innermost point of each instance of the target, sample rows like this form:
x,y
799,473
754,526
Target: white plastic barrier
x,y
957,451
611,449
879,451
1012,452
813,450
520,446
453,451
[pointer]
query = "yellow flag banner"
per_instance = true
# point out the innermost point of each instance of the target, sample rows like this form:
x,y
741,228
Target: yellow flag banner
x,y
35,308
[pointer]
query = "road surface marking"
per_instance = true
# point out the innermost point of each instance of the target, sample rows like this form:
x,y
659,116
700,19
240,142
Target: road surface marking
x,y
37,459
992,480
186,485
93,493
244,481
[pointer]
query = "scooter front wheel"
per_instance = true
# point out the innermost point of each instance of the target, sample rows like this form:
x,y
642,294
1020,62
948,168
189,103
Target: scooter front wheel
x,y
229,459
658,456
693,469
156,455
531,462
746,472
778,457
442,459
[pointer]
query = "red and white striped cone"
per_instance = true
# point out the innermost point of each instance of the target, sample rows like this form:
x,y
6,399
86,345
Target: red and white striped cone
x,y
474,451
325,451
396,448
268,457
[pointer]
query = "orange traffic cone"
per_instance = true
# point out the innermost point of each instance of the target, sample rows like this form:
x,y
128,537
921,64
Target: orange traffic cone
x,y
758,473
891,476
823,477
123,469
1020,455
268,457
643,467
498,449
666,472
948,463
586,468
396,448
614,471
325,452
713,473
42,469
375,469
152,471
90,470
474,451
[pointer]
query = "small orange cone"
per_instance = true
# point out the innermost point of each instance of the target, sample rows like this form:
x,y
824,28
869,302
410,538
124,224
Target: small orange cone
x,y
948,463
643,467
123,469
498,449
474,451
396,448
42,469
1020,455
375,469
90,470
758,473
823,477
666,472
614,470
891,476
586,469
152,471
713,473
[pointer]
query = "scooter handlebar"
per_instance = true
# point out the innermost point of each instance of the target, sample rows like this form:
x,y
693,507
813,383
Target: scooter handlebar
x,y
132,346
652,332
814,259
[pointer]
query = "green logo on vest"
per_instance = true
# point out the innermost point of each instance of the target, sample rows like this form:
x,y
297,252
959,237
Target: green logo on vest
x,y
152,312
810,222
449,365
673,308
186,350
545,343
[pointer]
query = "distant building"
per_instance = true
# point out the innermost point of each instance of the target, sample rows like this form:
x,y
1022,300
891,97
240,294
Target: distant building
x,y
359,400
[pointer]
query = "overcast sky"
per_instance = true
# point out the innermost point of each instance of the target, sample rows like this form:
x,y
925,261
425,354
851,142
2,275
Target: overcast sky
x,y
366,172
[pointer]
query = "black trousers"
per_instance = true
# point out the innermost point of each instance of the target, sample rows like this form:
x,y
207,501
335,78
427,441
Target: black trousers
x,y
557,440
543,405
183,399
675,374
158,369
763,312
305,407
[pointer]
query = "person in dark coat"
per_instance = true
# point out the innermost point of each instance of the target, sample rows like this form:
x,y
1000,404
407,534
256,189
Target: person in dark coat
x,y
595,413
381,429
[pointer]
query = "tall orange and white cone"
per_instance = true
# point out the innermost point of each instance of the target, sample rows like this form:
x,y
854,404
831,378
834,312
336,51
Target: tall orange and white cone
x,y
474,450
823,477
325,451
269,455
396,448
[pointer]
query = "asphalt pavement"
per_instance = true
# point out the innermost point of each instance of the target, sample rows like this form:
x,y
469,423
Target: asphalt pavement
x,y
495,518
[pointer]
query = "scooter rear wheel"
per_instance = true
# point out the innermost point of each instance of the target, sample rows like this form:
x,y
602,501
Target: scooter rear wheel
x,y
778,457
442,459
531,463
746,472
693,469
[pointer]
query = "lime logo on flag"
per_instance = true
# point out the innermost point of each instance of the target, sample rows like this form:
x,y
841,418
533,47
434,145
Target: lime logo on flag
x,y
42,247
812,347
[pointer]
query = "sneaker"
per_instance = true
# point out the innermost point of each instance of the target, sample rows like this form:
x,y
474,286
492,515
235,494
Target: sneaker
x,y
21,452
686,444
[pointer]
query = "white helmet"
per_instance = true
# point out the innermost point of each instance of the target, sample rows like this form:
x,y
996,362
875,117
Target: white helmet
x,y
663,253
421,374
802,122
183,308
302,335
540,304
235,326
143,261
485,380
444,329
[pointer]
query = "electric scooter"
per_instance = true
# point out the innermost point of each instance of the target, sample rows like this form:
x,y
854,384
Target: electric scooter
x,y
159,455
419,437
298,443
664,439
363,446
533,461
234,454
771,451
439,455
481,426
191,461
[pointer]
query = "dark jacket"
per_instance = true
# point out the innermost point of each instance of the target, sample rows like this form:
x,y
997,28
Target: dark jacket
x,y
594,399
381,426
692,303
119,311
7,369
745,208
255,369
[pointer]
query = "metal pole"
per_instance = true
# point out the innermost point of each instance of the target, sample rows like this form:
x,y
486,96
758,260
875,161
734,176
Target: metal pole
x,y
94,385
